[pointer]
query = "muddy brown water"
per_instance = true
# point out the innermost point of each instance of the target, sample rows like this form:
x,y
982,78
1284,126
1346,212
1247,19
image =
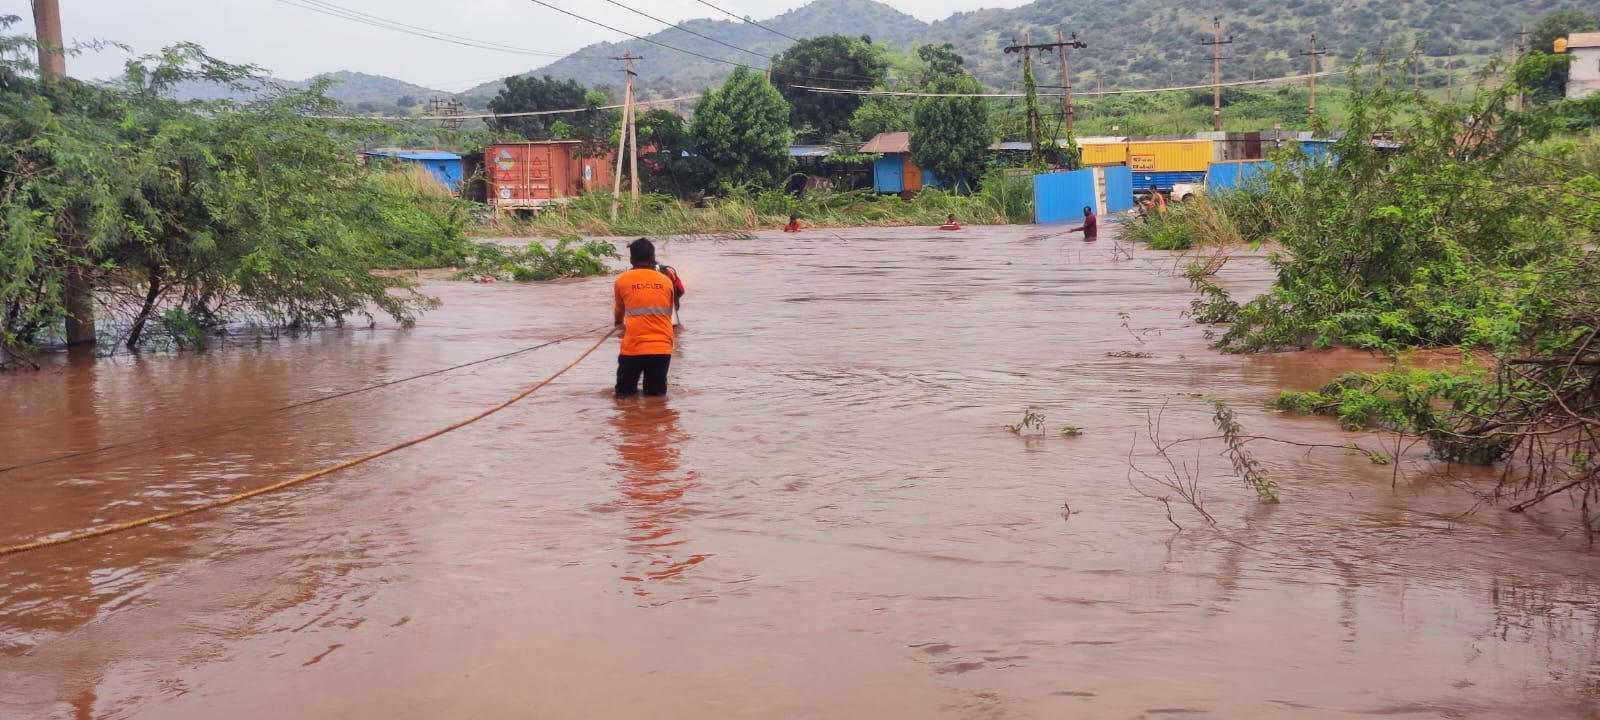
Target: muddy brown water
x,y
826,519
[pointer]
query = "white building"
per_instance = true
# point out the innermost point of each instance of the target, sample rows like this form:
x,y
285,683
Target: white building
x,y
1584,79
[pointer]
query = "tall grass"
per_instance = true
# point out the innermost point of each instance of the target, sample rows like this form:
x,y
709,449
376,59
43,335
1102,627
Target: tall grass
x,y
1223,219
1000,201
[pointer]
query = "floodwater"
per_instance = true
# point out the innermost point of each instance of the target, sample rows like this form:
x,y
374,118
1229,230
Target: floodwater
x,y
826,519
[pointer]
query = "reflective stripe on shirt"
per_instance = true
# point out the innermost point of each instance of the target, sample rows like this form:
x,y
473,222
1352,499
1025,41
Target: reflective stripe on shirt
x,y
635,312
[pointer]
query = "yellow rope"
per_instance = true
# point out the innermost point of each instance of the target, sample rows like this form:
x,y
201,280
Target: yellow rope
x,y
141,522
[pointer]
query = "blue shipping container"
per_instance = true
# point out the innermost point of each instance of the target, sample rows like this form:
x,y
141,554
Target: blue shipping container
x,y
444,166
1164,181
1061,196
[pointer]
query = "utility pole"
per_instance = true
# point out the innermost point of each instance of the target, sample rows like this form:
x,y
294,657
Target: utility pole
x,y
1313,55
622,137
1522,47
1066,76
76,298
1216,42
438,122
1027,63
1450,76
1416,69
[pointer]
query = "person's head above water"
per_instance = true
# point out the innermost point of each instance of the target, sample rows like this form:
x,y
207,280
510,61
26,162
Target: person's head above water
x,y
794,218
642,253
951,218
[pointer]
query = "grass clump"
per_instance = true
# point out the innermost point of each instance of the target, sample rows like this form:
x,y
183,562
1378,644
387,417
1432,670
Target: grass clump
x,y
567,257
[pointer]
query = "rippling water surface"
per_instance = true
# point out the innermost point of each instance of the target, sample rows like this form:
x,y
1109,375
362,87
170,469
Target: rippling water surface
x,y
826,519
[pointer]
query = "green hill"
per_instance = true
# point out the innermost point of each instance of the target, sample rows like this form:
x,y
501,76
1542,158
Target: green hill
x,y
1132,43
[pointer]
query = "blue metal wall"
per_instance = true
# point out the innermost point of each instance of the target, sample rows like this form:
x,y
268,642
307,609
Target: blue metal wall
x,y
1119,188
1233,175
888,174
1061,196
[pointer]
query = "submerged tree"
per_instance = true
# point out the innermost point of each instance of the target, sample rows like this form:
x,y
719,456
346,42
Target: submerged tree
x,y
193,213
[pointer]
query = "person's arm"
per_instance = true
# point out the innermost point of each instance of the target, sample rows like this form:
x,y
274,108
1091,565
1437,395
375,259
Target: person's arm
x,y
616,305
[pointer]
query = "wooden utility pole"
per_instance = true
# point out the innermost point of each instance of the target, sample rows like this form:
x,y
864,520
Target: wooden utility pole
x,y
1216,42
1026,49
1450,76
1066,75
633,147
1522,47
76,298
622,137
1416,70
1313,55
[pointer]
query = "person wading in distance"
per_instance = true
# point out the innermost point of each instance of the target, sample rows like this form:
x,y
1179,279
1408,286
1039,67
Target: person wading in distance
x,y
643,308
1090,226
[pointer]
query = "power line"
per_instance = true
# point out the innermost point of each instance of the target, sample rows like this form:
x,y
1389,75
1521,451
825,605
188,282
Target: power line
x,y
687,30
329,9
891,93
637,37
747,19
530,113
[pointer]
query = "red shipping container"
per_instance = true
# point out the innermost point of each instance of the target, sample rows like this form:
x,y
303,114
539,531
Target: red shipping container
x,y
527,175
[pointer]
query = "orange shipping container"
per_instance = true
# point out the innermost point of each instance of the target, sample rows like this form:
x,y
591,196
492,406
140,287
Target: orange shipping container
x,y
526,175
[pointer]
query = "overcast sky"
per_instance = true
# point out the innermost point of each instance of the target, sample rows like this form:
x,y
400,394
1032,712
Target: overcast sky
x,y
293,42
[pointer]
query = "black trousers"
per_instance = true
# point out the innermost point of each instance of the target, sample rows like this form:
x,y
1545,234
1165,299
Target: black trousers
x,y
652,367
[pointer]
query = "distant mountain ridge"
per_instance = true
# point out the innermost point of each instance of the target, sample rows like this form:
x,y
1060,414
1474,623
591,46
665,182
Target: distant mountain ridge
x,y
350,88
1131,43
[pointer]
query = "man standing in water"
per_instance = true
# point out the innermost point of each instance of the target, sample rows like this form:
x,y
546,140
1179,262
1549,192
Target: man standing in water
x,y
643,307
1090,226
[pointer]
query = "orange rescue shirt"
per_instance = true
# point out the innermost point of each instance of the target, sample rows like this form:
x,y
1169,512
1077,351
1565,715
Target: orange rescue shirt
x,y
644,306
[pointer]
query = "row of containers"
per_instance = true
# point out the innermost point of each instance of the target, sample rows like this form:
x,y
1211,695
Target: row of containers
x,y
517,176
523,176
1115,169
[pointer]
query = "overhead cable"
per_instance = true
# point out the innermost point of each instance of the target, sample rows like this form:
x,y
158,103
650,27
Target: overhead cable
x,y
638,37
892,93
687,30
332,10
747,19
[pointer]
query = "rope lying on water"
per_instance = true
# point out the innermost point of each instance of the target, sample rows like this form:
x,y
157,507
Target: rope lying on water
x,y
240,423
219,502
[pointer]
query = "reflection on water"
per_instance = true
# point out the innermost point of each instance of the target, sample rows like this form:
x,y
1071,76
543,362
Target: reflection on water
x,y
836,437
653,489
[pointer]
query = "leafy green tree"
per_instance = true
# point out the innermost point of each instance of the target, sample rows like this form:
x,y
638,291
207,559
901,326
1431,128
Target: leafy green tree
x,y
529,94
742,130
940,61
830,61
950,136
668,163
194,214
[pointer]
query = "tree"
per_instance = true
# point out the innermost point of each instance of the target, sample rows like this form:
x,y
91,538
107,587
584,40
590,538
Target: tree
x,y
829,61
1542,38
669,165
202,213
528,94
881,115
939,61
950,136
742,130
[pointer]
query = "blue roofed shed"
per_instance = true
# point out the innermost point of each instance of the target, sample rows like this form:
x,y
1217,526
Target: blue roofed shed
x,y
446,167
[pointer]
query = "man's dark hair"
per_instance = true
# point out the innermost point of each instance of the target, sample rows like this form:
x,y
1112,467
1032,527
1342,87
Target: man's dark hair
x,y
642,251
1087,211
